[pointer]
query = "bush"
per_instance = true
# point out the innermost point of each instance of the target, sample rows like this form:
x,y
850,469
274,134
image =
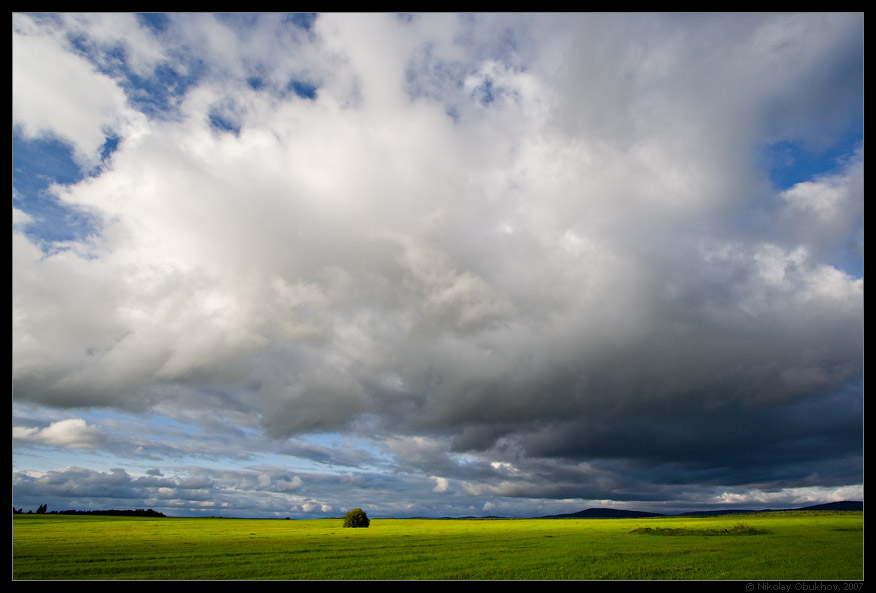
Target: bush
x,y
356,518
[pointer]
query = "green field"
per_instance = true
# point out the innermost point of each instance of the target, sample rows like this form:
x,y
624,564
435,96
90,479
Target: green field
x,y
765,546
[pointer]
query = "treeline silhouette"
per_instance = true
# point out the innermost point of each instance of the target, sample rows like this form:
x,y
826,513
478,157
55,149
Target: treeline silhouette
x,y
42,510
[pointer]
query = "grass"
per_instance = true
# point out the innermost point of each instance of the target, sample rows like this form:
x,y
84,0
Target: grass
x,y
809,546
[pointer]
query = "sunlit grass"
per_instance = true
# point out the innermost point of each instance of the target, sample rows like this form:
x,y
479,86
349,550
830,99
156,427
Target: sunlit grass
x,y
767,546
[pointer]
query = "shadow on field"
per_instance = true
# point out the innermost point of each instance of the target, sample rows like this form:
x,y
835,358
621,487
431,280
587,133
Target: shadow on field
x,y
739,529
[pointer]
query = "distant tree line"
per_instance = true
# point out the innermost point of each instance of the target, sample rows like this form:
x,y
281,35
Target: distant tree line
x,y
42,510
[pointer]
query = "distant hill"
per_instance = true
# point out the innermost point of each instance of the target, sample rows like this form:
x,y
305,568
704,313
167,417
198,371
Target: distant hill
x,y
599,513
603,513
843,505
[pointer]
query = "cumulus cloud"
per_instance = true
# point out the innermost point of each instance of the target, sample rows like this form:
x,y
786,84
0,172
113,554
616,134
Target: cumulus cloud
x,y
825,213
441,484
539,241
73,433
46,70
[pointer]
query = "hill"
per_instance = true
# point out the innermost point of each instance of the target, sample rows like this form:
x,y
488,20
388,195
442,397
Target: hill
x,y
605,513
843,505
601,513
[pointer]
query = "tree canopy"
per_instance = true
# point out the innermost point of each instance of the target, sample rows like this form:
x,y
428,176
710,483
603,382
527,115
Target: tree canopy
x,y
356,518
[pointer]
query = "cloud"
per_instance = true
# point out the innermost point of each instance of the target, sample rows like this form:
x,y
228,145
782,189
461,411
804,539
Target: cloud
x,y
441,484
798,496
824,213
92,103
73,433
482,243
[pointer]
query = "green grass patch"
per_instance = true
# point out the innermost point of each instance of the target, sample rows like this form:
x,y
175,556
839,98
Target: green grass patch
x,y
788,546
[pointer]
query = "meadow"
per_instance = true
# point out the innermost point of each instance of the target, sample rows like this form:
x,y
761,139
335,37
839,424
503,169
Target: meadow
x,y
763,546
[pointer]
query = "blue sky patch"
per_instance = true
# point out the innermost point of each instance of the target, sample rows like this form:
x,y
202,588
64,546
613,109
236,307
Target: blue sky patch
x,y
37,164
155,21
303,20
789,163
303,89
223,123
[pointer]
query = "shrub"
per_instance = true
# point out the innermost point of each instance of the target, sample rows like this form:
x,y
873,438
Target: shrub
x,y
356,518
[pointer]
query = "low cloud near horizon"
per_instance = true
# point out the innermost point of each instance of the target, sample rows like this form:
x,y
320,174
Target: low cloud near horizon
x,y
438,264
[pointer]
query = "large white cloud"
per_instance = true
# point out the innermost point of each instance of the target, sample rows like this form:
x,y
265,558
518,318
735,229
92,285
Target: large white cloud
x,y
72,433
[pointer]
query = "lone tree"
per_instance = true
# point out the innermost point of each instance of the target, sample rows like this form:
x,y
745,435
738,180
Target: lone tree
x,y
356,518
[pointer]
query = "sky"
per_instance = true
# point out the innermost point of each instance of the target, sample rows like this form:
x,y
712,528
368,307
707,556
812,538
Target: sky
x,y
284,265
